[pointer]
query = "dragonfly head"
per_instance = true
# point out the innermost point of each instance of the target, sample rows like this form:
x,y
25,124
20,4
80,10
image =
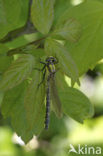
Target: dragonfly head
x,y
51,60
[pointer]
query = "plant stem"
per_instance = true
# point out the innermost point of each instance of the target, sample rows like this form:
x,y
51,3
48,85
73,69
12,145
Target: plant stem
x,y
19,50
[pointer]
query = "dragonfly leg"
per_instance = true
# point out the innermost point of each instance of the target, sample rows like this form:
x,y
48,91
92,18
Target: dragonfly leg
x,y
43,62
42,79
40,69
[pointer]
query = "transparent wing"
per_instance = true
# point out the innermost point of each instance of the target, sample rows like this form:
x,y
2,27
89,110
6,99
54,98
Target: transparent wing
x,y
56,103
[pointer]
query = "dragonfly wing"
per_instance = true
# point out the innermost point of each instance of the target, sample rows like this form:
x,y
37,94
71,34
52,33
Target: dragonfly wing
x,y
56,103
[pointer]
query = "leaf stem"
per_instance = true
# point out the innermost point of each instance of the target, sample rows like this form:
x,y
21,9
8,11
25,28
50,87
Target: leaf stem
x,y
19,51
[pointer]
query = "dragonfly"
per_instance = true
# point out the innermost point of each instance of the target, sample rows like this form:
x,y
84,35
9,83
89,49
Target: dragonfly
x,y
49,71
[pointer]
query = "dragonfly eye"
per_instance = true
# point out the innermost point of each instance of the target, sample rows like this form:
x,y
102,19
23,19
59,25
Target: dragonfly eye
x,y
54,60
51,60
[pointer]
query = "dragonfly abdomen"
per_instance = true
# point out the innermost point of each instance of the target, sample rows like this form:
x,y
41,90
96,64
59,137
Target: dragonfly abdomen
x,y
47,107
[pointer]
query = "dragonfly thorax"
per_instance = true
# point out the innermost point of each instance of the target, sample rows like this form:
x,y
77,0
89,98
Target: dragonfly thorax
x,y
51,61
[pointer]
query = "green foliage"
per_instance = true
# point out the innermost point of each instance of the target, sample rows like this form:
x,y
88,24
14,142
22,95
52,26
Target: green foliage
x,y
72,34
74,103
89,48
17,72
42,15
15,107
34,103
3,49
5,61
99,68
22,41
60,6
11,19
3,65
69,30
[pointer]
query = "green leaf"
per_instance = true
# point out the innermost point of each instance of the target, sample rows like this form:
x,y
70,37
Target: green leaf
x,y
17,72
32,49
38,52
99,68
74,103
29,49
23,40
60,7
70,30
5,62
34,103
89,48
3,50
14,18
13,106
42,15
67,64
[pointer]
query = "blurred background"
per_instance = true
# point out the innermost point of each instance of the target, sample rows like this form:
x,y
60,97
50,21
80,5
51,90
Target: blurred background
x,y
56,141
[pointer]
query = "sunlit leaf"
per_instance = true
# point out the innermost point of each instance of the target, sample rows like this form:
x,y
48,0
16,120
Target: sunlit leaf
x,y
17,72
23,40
61,6
74,103
69,30
42,15
89,49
